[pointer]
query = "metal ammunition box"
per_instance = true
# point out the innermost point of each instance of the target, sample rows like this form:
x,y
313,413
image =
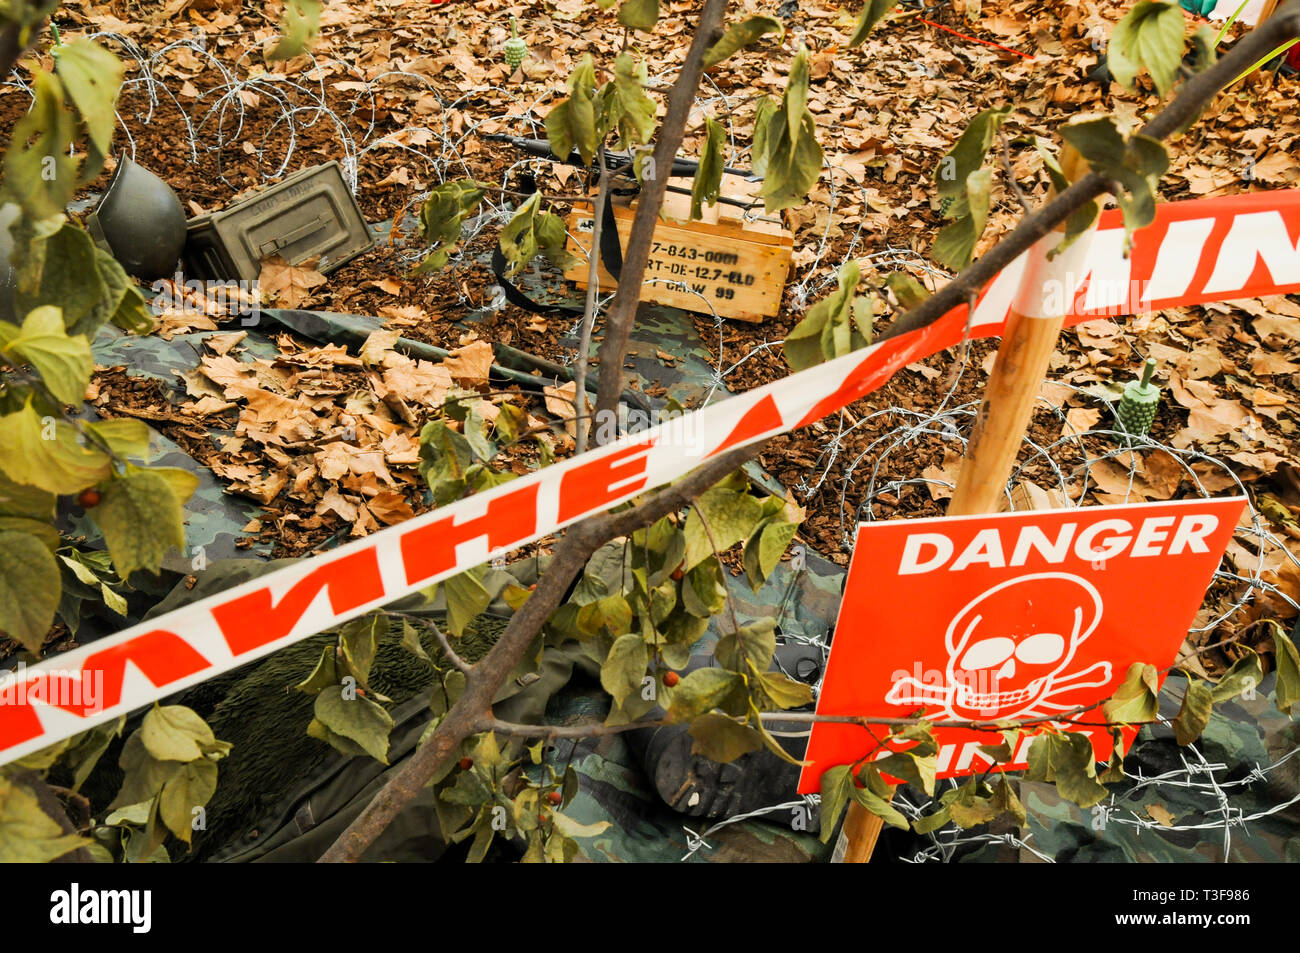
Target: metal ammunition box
x,y
312,213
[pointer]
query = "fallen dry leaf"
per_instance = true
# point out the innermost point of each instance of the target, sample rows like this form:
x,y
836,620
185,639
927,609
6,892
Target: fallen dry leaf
x,y
286,284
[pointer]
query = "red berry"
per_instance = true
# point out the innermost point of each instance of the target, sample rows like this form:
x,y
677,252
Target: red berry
x,y
671,679
466,763
88,498
677,574
541,818
555,797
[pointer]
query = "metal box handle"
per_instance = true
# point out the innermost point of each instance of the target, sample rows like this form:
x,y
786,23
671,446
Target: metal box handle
x,y
275,244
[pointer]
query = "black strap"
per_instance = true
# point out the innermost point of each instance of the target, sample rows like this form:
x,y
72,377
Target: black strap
x,y
611,256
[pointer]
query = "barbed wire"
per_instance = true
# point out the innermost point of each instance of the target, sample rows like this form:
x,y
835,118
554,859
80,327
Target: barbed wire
x,y
222,115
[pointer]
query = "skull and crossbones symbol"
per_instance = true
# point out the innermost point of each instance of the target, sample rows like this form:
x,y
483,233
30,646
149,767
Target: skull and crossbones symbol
x,y
1009,648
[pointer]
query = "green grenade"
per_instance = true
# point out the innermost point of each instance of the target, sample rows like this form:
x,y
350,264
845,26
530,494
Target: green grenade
x,y
1137,408
516,49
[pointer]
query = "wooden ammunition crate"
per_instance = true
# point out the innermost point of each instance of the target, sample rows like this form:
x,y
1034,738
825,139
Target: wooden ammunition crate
x,y
728,265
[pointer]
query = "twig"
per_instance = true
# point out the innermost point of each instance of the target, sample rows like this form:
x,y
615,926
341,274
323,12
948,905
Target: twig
x,y
1011,175
589,309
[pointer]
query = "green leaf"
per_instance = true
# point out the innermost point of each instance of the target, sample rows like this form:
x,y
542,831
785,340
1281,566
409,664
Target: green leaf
x,y
624,105
954,246
91,77
467,599
1080,220
40,175
743,34
357,719
828,330
175,733
708,174
753,644
1150,36
967,156
441,218
701,691
784,691
916,766
63,362
873,11
69,280
624,667
970,805
127,437
1135,701
1287,692
932,822
703,591
764,111
144,775
122,302
571,828
1069,761
730,517
836,789
190,787
445,458
1136,163
17,499
140,517
1194,715
909,292
182,482
1244,676
1006,801
323,676
30,586
773,539
58,465
572,123
299,29
639,14
27,834
531,232
875,798
722,739
793,156
359,643
43,531
88,747
112,599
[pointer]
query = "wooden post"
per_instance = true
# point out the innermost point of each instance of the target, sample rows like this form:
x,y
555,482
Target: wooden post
x,y
1045,294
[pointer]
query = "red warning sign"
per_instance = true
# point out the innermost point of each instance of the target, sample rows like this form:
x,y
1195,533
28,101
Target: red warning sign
x,y
1010,616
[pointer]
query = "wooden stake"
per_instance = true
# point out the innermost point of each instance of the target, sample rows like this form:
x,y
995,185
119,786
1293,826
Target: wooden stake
x,y
1028,340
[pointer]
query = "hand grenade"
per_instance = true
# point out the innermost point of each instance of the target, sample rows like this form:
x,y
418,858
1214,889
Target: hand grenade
x,y
1137,408
516,49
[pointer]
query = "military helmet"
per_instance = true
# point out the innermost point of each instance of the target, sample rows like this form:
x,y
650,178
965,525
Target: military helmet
x,y
140,222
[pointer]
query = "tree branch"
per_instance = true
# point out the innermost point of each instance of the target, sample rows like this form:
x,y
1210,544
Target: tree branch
x,y
1193,97
484,679
622,314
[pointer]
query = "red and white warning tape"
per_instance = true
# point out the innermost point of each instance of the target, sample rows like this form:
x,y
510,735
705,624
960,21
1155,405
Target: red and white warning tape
x,y
1198,251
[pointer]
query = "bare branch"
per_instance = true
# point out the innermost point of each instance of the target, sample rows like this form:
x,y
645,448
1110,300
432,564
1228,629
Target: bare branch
x,y
618,325
485,678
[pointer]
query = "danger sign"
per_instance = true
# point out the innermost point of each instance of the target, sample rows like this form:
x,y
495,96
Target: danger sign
x,y
1010,616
